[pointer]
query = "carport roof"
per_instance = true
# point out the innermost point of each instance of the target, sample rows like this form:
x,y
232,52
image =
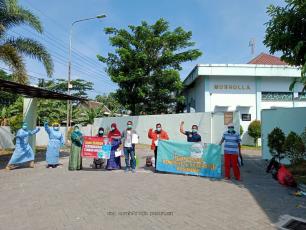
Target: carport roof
x,y
35,92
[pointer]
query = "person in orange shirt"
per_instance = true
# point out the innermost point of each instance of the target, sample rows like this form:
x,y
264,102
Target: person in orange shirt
x,y
156,135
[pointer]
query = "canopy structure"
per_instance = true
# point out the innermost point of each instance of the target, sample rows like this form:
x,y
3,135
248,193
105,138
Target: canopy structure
x,y
35,92
31,94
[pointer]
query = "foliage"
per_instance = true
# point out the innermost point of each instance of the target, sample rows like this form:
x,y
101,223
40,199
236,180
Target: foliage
x,y
303,136
55,110
51,111
145,65
276,141
254,130
286,32
111,102
87,116
12,48
294,147
5,97
79,87
241,130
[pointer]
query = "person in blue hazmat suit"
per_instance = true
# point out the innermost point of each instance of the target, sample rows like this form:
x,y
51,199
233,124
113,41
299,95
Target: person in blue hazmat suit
x,y
23,151
56,141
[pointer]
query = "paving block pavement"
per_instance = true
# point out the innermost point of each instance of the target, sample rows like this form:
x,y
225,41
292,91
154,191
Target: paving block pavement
x,y
43,198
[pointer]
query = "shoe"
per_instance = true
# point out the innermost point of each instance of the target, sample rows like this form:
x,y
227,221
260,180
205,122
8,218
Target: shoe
x,y
227,178
8,167
31,164
126,170
133,170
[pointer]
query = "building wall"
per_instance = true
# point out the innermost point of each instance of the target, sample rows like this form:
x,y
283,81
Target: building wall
x,y
241,93
287,119
211,126
195,98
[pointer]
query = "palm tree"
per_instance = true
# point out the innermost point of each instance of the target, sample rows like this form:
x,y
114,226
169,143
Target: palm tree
x,y
12,49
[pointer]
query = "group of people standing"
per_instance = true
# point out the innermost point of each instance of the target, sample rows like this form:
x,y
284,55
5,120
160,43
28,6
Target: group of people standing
x,y
24,153
119,142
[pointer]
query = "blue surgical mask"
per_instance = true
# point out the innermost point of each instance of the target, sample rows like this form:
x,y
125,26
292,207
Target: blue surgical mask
x,y
56,128
158,129
112,128
194,130
231,129
24,127
101,132
129,126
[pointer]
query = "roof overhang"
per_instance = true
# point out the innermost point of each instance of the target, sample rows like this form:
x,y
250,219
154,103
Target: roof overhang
x,y
247,70
35,92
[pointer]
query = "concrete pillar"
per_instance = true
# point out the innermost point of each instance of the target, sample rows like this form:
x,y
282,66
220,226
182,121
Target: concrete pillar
x,y
207,103
258,97
30,116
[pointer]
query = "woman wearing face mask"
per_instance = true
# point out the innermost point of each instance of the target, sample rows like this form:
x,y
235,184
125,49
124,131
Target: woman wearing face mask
x,y
115,136
192,136
56,141
156,135
75,159
23,151
97,161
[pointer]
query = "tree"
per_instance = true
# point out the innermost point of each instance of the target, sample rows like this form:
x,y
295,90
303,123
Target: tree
x,y
79,88
88,115
111,102
55,110
254,130
12,49
241,130
145,65
286,32
6,98
276,141
294,147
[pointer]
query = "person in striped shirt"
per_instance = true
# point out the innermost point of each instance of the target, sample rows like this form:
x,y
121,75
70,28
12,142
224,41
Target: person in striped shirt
x,y
232,150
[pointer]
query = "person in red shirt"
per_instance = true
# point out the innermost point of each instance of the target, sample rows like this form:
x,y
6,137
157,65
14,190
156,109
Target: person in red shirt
x,y
156,135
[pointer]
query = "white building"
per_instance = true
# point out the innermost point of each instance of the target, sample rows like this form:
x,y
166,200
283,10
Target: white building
x,y
263,83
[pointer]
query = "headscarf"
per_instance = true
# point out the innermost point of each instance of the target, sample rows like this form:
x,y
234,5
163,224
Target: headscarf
x,y
115,133
100,129
76,136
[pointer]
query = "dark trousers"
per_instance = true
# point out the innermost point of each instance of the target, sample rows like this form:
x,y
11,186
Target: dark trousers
x,y
155,156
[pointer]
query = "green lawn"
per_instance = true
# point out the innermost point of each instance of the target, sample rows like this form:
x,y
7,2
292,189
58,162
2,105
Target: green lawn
x,y
249,147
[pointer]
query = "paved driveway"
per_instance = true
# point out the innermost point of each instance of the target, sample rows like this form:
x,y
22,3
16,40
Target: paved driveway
x,y
43,198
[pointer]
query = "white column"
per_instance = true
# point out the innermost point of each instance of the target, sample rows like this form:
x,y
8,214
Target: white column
x,y
207,107
258,97
30,116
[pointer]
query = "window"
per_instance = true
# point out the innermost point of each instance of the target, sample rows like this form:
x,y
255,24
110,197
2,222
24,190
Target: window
x,y
276,96
246,117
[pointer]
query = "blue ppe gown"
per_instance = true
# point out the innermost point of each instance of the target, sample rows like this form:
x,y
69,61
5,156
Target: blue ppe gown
x,y
56,140
23,151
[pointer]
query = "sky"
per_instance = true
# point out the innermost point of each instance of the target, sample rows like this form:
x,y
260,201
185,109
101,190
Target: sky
x,y
221,29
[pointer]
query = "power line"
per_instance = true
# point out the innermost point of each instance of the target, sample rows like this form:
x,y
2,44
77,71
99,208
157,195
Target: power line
x,y
63,58
55,22
59,58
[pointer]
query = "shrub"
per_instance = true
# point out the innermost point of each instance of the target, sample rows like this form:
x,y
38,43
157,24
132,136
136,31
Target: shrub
x,y
241,130
276,141
294,148
303,136
254,130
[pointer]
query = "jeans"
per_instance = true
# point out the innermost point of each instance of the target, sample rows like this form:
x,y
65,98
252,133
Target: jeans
x,y
129,154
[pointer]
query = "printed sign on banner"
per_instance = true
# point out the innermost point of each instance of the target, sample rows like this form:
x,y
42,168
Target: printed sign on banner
x,y
96,147
189,158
